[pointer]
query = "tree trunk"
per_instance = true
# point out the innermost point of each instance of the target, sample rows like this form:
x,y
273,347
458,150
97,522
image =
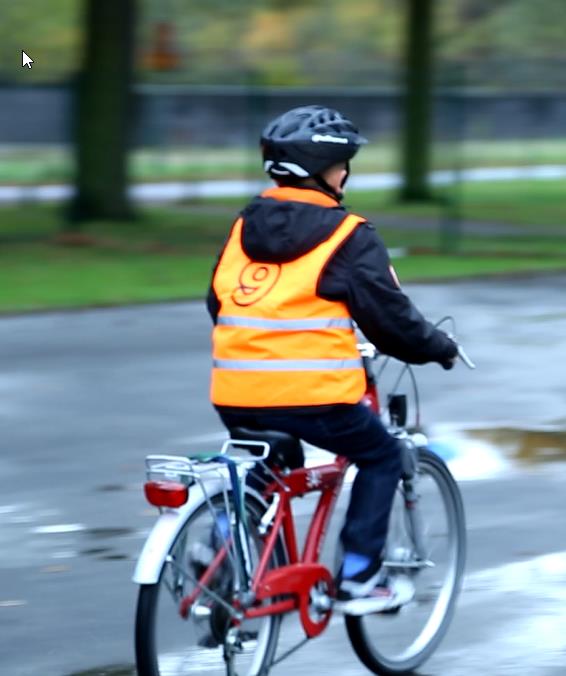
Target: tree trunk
x,y
416,132
103,113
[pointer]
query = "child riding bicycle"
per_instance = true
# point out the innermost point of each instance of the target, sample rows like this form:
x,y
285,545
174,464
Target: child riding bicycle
x,y
297,270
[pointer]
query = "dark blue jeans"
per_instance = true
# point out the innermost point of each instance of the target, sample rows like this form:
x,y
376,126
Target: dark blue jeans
x,y
356,432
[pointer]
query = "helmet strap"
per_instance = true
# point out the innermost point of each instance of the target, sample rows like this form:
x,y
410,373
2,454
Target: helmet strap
x,y
346,176
337,194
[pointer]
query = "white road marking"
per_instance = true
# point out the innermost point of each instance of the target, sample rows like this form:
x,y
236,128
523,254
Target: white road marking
x,y
64,555
10,509
59,528
22,518
13,603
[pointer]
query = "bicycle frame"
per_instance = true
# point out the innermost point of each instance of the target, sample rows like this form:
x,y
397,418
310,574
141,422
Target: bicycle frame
x,y
303,572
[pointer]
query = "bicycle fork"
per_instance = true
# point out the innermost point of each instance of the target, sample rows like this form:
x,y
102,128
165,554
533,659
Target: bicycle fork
x,y
409,461
414,517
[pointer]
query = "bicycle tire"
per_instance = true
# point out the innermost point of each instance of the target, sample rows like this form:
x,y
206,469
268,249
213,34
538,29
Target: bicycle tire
x,y
357,627
148,660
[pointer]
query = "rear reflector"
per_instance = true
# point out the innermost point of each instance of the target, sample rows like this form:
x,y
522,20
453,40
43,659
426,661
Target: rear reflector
x,y
166,493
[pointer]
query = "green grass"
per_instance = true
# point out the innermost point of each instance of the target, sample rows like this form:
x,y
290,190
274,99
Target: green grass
x,y
38,164
437,267
168,253
519,203
47,277
533,203
43,277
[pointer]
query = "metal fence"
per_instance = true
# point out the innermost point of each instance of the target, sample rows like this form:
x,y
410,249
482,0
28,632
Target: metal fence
x,y
230,116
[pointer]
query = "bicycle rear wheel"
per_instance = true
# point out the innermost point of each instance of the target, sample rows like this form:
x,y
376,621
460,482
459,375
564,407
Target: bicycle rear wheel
x,y
398,641
166,644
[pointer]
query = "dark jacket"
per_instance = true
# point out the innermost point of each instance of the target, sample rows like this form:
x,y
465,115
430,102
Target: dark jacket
x,y
359,274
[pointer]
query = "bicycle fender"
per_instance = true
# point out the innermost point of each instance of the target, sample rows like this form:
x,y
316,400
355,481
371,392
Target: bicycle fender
x,y
162,535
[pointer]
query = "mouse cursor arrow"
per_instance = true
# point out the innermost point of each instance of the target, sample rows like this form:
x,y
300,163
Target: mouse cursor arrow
x,y
26,60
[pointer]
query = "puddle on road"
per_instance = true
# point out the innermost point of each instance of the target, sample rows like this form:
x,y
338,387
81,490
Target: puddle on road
x,y
95,551
480,453
524,624
112,670
102,533
110,488
102,552
547,317
542,576
100,541
525,445
114,557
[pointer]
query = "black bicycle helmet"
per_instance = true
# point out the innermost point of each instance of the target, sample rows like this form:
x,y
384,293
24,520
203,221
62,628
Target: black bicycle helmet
x,y
305,141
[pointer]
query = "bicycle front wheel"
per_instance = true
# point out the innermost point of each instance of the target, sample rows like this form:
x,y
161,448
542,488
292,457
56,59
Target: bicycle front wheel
x,y
166,644
398,641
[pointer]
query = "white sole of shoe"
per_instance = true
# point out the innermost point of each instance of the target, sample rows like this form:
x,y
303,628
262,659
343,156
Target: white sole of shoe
x,y
359,589
403,593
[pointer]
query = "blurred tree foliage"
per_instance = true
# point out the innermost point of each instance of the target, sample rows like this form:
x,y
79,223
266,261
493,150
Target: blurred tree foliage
x,y
301,42
512,28
50,35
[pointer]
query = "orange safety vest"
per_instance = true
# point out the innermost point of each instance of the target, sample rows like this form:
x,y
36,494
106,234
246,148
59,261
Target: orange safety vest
x,y
276,343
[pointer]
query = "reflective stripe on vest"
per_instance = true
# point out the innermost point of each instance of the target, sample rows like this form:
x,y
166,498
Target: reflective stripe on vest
x,y
286,364
285,324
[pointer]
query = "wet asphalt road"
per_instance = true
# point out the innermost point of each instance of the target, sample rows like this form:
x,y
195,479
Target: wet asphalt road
x,y
84,396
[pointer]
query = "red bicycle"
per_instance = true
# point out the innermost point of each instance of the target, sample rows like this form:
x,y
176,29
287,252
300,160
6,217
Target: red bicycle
x,y
222,573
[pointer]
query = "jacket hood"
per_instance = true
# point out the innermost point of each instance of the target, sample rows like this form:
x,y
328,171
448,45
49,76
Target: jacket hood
x,y
278,231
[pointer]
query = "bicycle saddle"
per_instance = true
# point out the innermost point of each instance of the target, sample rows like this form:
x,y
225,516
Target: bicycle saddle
x,y
285,451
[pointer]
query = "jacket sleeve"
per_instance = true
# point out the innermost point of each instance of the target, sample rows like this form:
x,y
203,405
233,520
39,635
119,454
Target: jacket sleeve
x,y
212,304
361,274
212,301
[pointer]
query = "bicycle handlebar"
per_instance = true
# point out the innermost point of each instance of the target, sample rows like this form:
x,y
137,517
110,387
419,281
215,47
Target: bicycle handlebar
x,y
369,350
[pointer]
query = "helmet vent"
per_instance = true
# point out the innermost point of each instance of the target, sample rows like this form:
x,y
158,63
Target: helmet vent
x,y
290,129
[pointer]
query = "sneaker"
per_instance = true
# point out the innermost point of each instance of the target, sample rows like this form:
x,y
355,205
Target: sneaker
x,y
201,556
373,592
220,533
203,552
351,582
